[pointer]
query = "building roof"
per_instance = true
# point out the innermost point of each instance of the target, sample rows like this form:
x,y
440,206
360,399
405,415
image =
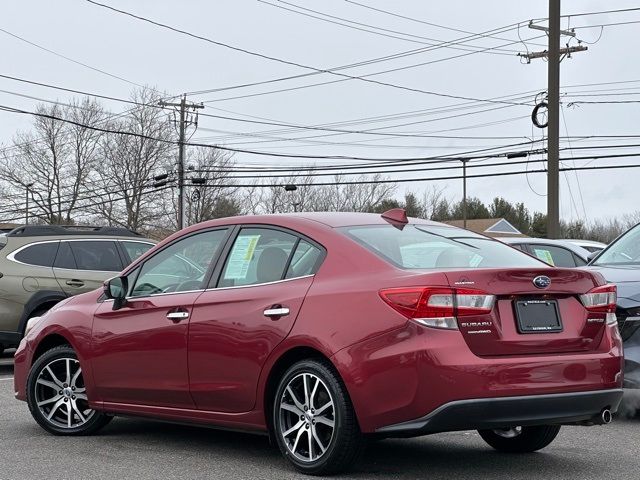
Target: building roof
x,y
492,227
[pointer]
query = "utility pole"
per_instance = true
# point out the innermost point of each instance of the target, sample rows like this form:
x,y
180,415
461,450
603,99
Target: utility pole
x,y
464,193
553,100
26,208
184,108
553,129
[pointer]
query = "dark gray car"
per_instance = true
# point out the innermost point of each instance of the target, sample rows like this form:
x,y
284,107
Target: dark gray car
x,y
619,263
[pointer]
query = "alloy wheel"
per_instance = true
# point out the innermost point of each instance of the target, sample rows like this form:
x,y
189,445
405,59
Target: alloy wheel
x,y
60,394
307,417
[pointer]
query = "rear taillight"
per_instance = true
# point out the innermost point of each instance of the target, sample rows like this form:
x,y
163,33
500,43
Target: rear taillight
x,y
601,301
438,307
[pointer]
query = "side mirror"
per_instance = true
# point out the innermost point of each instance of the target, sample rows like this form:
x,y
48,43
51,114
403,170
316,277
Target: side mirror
x,y
591,256
116,288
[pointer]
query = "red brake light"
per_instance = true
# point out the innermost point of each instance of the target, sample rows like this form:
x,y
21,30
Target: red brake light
x,y
438,306
601,299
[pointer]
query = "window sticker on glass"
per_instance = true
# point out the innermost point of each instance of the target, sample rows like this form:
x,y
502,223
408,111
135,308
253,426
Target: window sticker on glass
x,y
240,257
475,260
544,255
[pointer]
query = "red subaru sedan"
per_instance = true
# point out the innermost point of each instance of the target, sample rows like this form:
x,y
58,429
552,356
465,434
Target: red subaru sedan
x,y
325,329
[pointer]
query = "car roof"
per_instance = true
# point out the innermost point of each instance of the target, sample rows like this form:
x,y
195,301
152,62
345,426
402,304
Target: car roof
x,y
579,241
70,230
330,219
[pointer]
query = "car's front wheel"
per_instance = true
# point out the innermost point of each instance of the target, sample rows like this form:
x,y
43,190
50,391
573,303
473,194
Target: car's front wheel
x,y
520,439
314,421
57,396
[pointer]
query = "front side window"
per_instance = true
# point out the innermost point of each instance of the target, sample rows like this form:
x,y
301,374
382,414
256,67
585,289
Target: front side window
x,y
431,246
40,254
180,267
624,251
96,255
135,249
258,255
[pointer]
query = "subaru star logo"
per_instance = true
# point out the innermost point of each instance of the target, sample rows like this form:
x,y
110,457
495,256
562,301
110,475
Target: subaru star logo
x,y
542,281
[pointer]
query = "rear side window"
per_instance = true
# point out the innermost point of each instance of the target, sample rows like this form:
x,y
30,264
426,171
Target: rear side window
x,y
306,260
65,258
258,255
556,256
94,255
426,246
40,254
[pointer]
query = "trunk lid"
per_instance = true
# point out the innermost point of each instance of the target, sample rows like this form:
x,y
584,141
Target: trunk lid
x,y
510,329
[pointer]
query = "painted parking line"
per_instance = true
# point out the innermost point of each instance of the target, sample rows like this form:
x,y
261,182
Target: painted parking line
x,y
6,379
5,362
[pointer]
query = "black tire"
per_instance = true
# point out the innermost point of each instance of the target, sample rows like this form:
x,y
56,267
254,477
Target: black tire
x,y
56,358
530,439
346,443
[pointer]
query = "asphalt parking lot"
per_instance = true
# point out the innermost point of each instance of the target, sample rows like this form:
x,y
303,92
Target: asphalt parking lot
x,y
132,448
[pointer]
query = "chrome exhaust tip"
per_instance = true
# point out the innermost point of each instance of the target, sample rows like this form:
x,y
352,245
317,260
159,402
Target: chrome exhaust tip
x,y
605,416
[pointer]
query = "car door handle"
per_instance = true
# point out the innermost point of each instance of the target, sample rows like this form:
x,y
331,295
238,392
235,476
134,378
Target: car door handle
x,y
75,283
177,316
275,312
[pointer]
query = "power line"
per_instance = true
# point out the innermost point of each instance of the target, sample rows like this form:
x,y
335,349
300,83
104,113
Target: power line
x,y
70,59
223,117
395,56
387,12
82,206
603,102
80,92
601,25
377,30
286,62
365,77
566,130
273,170
235,150
310,141
427,179
601,12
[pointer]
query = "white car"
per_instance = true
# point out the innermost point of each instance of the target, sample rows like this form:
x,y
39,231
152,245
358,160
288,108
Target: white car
x,y
559,253
593,247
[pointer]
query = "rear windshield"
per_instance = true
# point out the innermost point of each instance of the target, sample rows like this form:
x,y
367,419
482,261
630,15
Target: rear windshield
x,y
418,246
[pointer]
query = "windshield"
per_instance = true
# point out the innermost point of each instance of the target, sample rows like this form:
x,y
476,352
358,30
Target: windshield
x,y
624,251
425,246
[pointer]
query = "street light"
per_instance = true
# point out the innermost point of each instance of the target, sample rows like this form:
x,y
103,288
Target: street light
x,y
290,187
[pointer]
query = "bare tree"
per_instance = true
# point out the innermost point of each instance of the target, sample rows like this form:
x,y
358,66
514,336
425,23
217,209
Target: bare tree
x,y
130,162
208,194
432,199
270,196
55,160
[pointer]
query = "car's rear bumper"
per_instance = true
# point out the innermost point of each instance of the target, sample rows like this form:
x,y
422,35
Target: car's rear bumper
x,y
414,371
492,413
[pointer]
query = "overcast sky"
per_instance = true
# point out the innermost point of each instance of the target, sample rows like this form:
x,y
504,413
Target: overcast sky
x,y
145,54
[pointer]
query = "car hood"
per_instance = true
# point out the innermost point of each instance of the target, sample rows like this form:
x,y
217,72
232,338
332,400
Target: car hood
x,y
626,278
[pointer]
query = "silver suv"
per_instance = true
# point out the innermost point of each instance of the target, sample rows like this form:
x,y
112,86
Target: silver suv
x,y
41,265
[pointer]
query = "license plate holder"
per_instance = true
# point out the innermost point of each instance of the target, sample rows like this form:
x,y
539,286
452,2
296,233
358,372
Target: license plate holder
x,y
538,316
